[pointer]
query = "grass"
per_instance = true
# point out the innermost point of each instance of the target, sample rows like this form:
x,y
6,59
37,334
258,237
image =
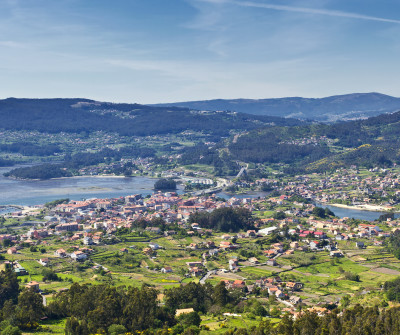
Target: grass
x,y
219,325
254,272
53,327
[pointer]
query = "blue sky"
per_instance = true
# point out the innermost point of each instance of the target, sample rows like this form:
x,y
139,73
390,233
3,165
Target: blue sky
x,y
150,51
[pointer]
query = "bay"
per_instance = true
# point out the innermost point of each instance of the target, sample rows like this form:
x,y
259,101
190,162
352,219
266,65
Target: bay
x,y
36,192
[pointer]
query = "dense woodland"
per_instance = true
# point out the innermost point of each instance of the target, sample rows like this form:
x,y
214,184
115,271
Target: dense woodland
x,y
224,219
30,149
165,184
42,171
354,321
371,142
81,115
80,160
268,149
103,309
201,154
6,162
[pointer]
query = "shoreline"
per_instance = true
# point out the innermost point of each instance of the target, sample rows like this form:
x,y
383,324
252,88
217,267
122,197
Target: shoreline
x,y
24,209
80,176
366,208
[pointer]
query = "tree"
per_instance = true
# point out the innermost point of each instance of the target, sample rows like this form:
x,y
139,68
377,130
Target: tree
x,y
345,301
29,308
318,211
73,327
392,289
116,330
386,216
224,219
285,327
279,215
49,275
189,319
192,295
8,311
221,294
7,243
260,310
10,330
192,330
165,184
9,287
140,310
322,212
308,323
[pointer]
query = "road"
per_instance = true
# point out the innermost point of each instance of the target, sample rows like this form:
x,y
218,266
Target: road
x,y
44,300
206,276
285,303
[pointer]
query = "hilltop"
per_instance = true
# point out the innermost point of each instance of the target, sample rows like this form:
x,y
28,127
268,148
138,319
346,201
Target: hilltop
x,y
83,115
321,147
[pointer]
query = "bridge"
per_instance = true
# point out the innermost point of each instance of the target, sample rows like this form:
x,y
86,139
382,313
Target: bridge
x,y
208,191
242,170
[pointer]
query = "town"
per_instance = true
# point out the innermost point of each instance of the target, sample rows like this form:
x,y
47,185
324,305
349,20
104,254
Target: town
x,y
281,249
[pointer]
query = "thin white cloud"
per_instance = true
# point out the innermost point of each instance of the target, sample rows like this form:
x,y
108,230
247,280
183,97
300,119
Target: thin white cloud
x,y
204,72
12,44
304,10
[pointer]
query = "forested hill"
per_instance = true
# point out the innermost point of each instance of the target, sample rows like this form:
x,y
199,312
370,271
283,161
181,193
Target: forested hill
x,y
79,115
319,147
334,108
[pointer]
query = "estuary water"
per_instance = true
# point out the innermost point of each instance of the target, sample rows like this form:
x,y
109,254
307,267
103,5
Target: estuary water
x,y
36,192
355,213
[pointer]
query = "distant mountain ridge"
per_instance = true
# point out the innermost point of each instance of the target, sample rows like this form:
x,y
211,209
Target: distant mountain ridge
x,y
330,109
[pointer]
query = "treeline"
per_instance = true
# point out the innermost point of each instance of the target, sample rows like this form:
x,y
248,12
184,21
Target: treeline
x,y
103,309
6,162
379,154
89,309
30,149
165,184
72,163
81,115
94,309
355,321
374,141
201,298
54,203
224,219
106,155
43,171
202,154
18,309
393,244
268,149
392,289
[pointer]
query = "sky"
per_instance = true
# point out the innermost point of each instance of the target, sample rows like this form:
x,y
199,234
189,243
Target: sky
x,y
154,51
